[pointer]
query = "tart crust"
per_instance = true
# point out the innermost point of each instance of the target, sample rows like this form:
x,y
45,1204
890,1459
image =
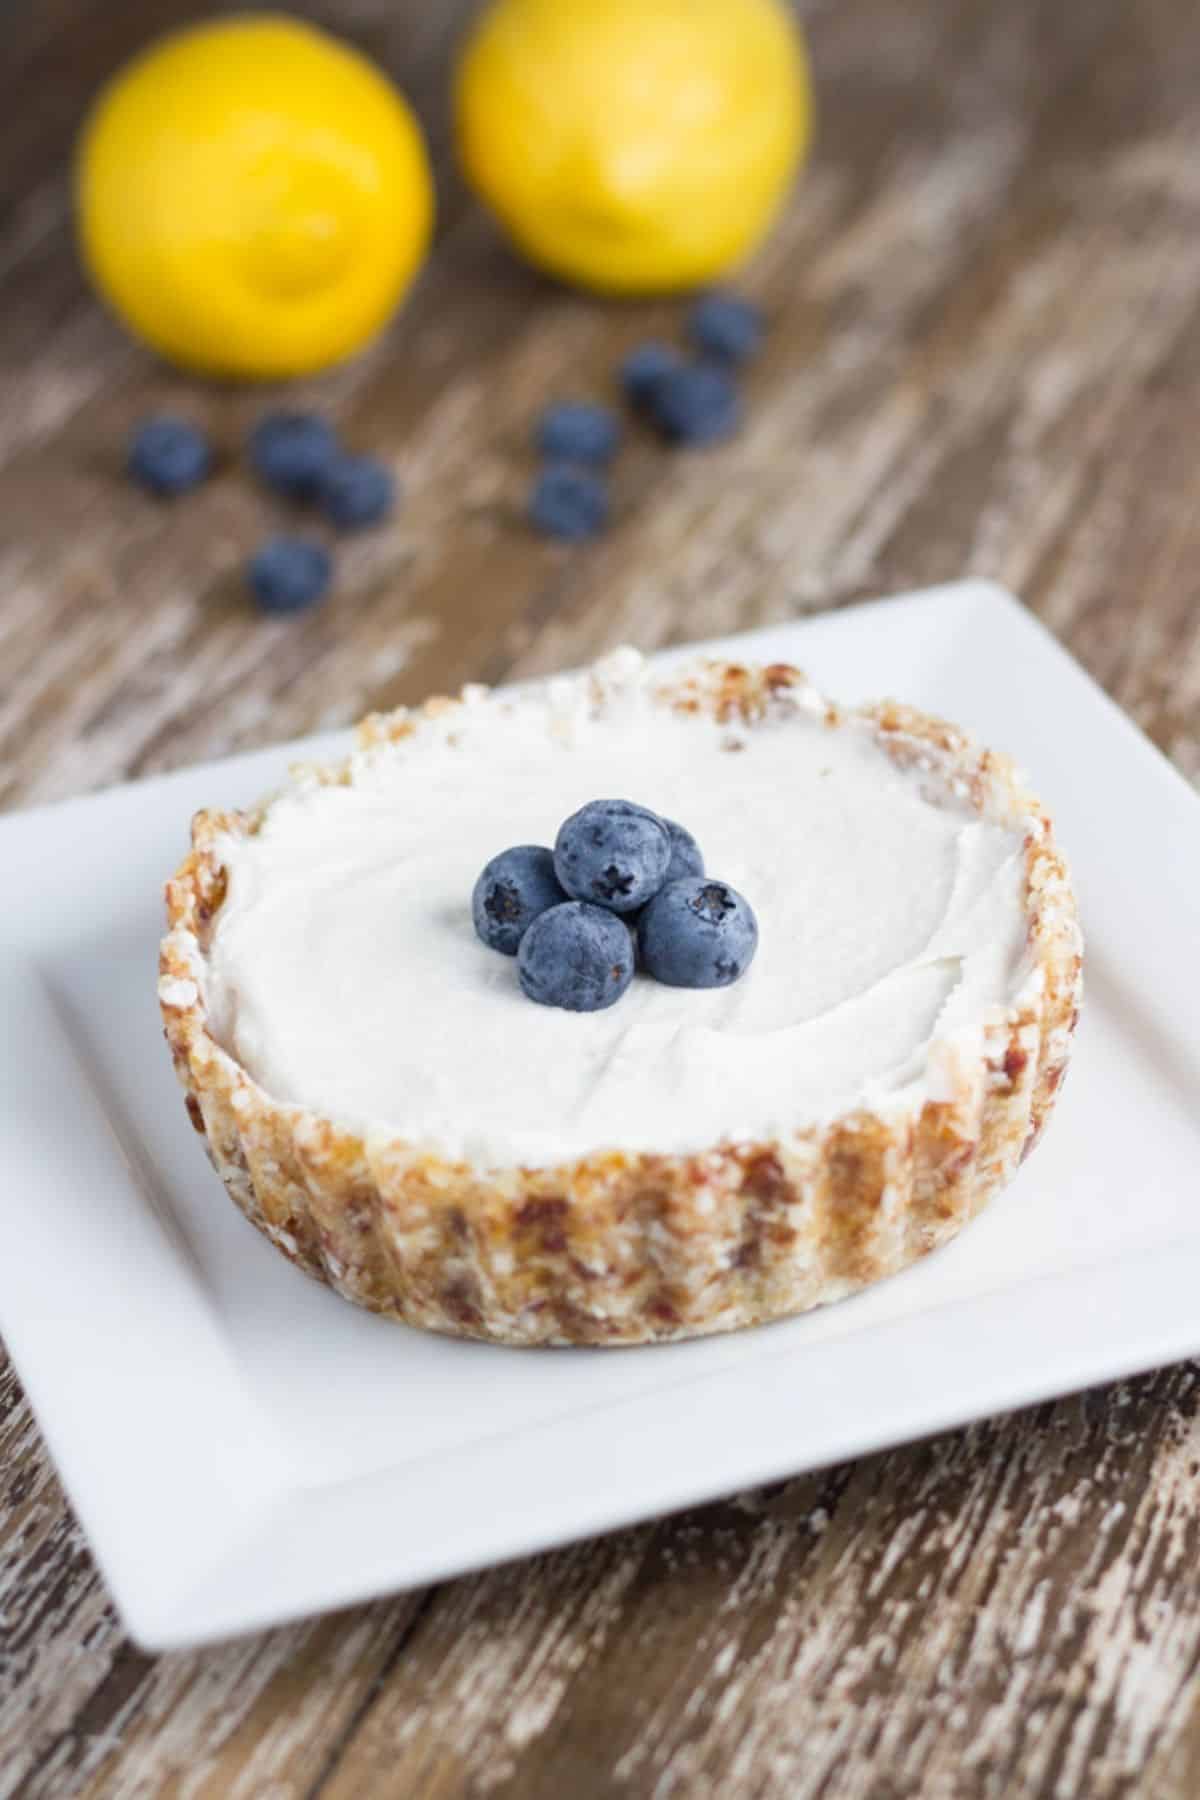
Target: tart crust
x,y
621,1248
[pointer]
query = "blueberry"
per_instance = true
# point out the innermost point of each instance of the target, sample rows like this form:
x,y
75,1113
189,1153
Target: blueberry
x,y
288,574
576,956
612,853
357,490
726,327
568,503
696,404
169,456
579,432
294,453
644,368
514,888
697,933
686,856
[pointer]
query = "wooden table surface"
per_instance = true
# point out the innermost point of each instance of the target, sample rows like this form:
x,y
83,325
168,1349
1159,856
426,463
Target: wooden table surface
x,y
985,358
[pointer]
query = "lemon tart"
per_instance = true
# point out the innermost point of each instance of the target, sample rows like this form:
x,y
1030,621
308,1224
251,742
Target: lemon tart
x,y
382,1100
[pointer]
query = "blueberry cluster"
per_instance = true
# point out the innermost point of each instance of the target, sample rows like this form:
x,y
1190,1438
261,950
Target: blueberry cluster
x,y
696,402
622,887
297,455
686,402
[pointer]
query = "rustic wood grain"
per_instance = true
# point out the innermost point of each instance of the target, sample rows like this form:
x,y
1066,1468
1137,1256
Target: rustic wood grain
x,y
985,357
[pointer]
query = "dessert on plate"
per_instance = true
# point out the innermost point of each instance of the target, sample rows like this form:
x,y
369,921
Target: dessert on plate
x,y
474,1080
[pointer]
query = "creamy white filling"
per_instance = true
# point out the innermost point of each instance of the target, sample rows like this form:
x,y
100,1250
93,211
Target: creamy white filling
x,y
345,976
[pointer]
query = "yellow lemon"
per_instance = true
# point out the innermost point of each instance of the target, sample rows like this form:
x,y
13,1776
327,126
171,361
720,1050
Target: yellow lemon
x,y
634,145
253,197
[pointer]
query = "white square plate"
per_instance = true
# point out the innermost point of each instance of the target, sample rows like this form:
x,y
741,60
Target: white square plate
x,y
243,1447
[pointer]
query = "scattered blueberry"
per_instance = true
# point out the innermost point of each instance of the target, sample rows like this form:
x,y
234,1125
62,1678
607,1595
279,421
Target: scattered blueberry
x,y
357,490
288,574
612,853
577,431
686,856
696,404
726,327
514,888
642,370
576,956
568,503
169,456
294,453
697,933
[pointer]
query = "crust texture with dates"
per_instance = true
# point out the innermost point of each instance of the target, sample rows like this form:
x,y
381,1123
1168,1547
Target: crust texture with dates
x,y
621,1248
